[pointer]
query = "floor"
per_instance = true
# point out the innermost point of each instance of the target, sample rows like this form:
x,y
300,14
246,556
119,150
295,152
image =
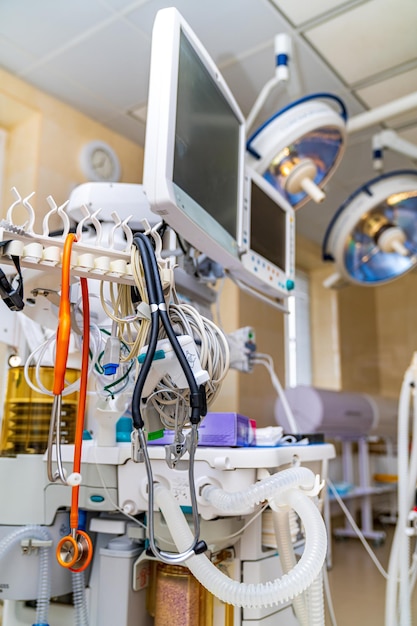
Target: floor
x,y
357,587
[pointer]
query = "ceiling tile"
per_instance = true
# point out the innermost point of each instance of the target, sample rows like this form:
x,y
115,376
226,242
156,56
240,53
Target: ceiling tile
x,y
113,64
129,127
300,11
12,57
226,29
61,87
389,90
410,134
140,113
121,5
39,30
308,75
372,30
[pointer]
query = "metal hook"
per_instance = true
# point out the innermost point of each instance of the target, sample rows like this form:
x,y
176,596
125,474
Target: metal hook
x,y
175,451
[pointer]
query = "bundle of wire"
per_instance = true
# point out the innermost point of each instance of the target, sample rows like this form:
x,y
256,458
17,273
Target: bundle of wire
x,y
44,354
214,356
132,318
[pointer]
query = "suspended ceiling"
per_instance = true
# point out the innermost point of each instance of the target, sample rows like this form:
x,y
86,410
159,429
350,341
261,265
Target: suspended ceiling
x,y
94,55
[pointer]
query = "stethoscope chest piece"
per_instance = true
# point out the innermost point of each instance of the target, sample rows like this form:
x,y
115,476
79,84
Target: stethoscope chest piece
x,y
75,552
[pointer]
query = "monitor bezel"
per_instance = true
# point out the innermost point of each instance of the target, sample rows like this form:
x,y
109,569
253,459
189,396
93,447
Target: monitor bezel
x,y
256,270
205,233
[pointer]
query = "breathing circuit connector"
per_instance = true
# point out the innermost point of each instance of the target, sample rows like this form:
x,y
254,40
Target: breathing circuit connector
x,y
111,358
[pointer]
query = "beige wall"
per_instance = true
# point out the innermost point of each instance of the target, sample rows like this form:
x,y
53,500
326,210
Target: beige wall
x,y
396,323
44,140
252,394
257,396
363,338
359,354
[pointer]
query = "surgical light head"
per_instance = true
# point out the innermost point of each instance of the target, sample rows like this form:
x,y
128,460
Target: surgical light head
x,y
298,148
372,238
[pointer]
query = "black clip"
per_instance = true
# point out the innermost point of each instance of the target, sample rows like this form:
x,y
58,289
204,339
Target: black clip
x,y
13,297
198,401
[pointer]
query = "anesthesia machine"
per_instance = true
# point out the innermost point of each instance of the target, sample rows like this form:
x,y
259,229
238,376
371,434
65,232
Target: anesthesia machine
x,y
125,500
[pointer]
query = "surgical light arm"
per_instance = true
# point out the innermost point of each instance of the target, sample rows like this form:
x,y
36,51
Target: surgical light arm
x,y
283,51
390,139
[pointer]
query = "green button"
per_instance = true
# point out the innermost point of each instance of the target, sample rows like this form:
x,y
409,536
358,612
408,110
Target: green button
x,y
290,285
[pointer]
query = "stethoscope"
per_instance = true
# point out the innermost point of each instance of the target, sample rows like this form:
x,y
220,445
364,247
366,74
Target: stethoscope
x,y
197,402
75,550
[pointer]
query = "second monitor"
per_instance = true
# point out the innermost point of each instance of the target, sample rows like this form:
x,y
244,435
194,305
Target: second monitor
x,y
268,239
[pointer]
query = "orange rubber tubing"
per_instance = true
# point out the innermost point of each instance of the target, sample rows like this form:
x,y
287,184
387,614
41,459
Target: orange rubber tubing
x,y
64,319
79,429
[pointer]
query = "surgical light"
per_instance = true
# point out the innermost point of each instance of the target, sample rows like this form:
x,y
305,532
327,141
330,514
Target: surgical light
x,y
298,149
372,238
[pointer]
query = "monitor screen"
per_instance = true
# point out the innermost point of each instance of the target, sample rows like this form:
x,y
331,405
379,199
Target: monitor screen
x,y
268,227
195,143
268,239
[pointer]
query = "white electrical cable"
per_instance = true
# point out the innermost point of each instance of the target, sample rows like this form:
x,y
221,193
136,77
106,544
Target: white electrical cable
x,y
108,494
133,324
214,355
37,356
361,536
266,361
357,530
